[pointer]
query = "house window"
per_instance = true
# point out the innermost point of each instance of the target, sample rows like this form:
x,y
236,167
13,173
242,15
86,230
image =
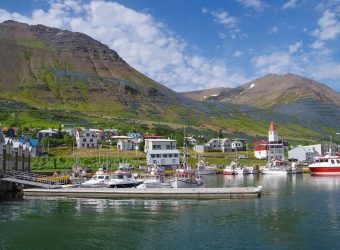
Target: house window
x,y
87,134
83,145
167,146
92,145
91,140
88,145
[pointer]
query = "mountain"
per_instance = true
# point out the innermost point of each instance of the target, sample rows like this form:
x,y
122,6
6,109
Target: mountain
x,y
50,76
206,94
58,69
272,90
290,97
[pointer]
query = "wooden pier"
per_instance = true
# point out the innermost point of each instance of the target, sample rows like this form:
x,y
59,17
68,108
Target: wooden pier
x,y
151,193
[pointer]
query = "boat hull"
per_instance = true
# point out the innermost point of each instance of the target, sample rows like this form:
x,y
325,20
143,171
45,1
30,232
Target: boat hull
x,y
325,170
179,183
124,185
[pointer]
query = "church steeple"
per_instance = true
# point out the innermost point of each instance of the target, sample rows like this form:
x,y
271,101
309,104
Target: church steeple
x,y
272,133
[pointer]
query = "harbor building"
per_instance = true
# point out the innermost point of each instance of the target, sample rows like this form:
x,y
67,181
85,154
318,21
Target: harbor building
x,y
303,153
220,144
162,152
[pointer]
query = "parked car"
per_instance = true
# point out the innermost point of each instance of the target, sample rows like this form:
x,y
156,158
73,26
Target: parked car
x,y
243,157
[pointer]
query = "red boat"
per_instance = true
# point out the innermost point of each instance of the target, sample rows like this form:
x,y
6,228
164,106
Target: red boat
x,y
326,165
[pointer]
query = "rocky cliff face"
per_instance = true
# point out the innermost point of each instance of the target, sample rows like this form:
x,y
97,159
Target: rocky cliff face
x,y
45,66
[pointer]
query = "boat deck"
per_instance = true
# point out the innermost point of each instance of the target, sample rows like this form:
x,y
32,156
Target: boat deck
x,y
151,193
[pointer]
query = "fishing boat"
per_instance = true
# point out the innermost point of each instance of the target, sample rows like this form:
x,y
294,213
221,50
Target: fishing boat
x,y
155,181
326,165
204,169
121,179
281,168
231,169
185,178
100,179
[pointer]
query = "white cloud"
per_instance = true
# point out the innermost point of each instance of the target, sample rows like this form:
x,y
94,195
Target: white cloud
x,y
329,26
291,4
238,53
221,17
224,18
317,45
293,48
140,40
278,63
274,30
257,5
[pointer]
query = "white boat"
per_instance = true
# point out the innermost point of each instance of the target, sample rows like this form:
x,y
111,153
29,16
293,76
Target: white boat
x,y
185,179
326,165
231,169
203,169
281,168
98,180
121,179
155,181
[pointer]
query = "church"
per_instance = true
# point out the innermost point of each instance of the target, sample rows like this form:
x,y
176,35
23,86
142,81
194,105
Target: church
x,y
271,149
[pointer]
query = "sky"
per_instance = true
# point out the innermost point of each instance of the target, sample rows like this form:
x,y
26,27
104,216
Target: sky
x,y
198,44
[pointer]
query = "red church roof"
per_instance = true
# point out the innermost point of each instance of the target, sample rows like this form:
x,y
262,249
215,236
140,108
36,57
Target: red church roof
x,y
272,126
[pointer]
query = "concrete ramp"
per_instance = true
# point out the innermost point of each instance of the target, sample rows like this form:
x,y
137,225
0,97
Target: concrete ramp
x,y
31,179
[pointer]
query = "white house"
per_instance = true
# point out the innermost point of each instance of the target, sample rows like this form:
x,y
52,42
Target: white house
x,y
162,152
159,144
222,144
128,144
86,138
47,133
303,153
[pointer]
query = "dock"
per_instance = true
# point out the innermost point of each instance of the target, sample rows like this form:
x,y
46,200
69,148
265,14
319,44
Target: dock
x,y
150,193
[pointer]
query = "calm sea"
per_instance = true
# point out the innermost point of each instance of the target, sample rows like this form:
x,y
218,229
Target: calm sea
x,y
294,212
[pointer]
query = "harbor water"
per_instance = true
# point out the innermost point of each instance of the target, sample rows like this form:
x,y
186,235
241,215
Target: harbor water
x,y
294,212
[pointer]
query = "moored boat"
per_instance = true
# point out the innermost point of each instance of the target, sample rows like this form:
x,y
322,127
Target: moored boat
x,y
231,169
100,179
185,179
121,179
204,169
325,165
155,181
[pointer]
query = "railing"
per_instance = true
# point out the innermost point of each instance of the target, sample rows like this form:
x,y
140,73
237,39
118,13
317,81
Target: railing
x,y
34,178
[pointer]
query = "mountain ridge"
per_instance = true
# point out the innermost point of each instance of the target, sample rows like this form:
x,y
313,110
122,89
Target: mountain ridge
x,y
274,89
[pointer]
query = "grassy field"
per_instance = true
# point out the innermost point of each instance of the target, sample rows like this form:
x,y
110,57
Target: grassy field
x,y
64,158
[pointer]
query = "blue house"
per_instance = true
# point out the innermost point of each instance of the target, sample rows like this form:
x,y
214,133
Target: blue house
x,y
34,144
134,135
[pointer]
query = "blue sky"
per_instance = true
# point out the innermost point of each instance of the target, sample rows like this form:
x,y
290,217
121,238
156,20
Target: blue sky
x,y
197,44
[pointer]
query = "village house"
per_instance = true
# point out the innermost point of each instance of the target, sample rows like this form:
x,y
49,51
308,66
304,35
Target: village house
x,y
162,152
86,138
10,132
47,133
108,133
128,144
221,144
34,144
134,135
